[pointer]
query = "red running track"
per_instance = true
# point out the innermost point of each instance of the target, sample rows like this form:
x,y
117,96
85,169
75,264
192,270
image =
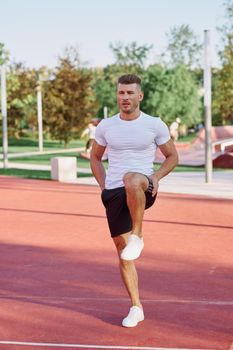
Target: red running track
x,y
59,279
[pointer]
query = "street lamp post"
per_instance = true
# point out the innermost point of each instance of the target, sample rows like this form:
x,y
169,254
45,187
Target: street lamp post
x,y
39,115
207,105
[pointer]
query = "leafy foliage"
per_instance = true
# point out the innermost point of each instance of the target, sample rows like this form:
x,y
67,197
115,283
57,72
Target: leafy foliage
x,y
172,93
73,93
4,54
131,54
21,84
130,59
224,97
183,47
68,100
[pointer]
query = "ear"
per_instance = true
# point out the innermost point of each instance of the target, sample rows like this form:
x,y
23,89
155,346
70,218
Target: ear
x,y
141,95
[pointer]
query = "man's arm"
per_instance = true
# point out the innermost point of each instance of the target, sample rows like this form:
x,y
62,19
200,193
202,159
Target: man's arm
x,y
169,151
97,167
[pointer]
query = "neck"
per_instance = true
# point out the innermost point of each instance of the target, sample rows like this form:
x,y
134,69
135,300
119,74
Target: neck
x,y
131,116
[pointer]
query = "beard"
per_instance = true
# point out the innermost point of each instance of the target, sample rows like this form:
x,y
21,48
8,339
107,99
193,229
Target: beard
x,y
128,109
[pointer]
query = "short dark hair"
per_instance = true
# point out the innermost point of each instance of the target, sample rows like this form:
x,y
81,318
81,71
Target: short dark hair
x,y
129,79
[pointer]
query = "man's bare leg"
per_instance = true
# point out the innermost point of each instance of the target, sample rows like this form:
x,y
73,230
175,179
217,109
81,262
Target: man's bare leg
x,y
135,185
130,278
128,271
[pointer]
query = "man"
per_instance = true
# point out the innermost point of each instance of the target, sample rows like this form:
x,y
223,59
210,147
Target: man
x,y
174,129
131,185
89,132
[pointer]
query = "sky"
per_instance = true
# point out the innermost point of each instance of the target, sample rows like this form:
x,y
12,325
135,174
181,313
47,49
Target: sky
x,y
37,32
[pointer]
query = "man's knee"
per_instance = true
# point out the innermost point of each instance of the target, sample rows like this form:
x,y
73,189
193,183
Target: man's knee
x,y
120,243
134,181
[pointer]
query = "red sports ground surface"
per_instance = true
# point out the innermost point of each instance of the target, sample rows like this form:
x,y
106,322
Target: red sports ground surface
x,y
60,286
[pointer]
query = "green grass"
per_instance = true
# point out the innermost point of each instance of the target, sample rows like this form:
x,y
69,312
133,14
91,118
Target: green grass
x,y
27,174
44,159
188,138
28,145
84,163
25,144
46,175
182,168
32,174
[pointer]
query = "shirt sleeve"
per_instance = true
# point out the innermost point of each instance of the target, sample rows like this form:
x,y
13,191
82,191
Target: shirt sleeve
x,y
162,133
99,134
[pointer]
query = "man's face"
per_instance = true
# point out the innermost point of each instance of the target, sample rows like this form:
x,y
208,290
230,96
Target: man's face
x,y
128,97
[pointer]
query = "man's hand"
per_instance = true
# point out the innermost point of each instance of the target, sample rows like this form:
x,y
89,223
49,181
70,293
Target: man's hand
x,y
169,151
96,164
155,181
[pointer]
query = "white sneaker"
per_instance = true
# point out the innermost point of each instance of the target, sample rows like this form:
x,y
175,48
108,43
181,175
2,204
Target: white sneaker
x,y
135,315
133,248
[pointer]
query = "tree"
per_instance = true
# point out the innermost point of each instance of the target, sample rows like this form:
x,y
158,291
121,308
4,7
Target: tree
x,y
224,96
21,97
104,85
129,59
216,91
4,58
183,47
171,93
68,99
130,54
4,54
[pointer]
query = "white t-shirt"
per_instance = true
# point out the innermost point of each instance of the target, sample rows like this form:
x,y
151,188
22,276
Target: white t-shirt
x,y
131,145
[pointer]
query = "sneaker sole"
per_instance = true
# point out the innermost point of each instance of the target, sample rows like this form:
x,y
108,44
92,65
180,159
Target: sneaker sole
x,y
134,325
130,257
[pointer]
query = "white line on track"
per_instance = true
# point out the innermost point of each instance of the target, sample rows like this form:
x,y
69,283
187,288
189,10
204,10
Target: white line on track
x,y
85,346
147,301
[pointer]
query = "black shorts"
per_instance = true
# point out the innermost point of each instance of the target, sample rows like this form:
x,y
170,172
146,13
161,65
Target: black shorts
x,y
117,211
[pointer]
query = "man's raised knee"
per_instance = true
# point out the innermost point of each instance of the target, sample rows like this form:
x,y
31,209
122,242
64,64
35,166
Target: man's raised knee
x,y
134,181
